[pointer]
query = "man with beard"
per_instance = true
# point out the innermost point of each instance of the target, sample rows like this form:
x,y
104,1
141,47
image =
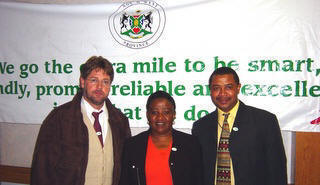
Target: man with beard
x,y
241,145
80,142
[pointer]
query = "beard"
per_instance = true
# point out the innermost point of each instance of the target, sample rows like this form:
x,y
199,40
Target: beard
x,y
92,99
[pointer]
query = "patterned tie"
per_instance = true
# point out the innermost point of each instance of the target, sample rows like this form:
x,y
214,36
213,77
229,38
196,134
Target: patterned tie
x,y
223,156
97,126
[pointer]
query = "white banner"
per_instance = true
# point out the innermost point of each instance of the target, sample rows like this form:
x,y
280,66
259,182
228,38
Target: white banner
x,y
167,45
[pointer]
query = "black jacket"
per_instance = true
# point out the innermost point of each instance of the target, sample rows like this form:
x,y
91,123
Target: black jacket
x,y
185,163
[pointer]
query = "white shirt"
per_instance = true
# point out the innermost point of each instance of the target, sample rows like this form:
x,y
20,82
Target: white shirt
x,y
103,117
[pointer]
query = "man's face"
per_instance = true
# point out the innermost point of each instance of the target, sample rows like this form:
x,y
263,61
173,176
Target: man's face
x,y
96,87
224,91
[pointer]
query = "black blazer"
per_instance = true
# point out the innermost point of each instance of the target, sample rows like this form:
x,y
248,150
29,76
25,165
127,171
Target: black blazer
x,y
256,147
185,163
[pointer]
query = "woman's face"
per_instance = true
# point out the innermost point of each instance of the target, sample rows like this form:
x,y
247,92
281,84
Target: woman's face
x,y
161,115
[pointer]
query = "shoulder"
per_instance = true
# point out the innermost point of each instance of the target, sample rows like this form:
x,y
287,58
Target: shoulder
x,y
60,118
61,111
180,134
114,112
261,118
256,112
186,144
136,142
181,137
141,137
205,121
69,108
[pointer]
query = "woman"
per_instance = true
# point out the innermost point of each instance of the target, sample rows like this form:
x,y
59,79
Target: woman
x,y
161,155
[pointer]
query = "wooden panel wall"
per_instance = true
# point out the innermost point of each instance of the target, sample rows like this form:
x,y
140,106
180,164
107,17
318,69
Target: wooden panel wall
x,y
15,174
307,158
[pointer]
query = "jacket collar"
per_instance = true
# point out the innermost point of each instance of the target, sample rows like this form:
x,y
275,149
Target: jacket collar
x,y
110,108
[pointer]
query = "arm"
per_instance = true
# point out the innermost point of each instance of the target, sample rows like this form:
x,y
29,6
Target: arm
x,y
197,164
275,154
131,171
46,153
127,128
124,167
120,132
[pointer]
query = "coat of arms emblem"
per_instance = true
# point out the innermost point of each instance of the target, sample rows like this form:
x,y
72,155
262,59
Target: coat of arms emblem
x,y
137,24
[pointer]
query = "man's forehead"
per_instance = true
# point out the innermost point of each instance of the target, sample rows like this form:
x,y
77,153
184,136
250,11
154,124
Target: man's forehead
x,y
223,85
225,77
96,71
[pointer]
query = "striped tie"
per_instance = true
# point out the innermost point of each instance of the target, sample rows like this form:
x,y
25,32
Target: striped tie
x,y
223,156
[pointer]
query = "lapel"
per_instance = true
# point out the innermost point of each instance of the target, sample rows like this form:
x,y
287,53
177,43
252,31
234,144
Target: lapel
x,y
113,126
141,148
175,148
208,136
240,122
215,128
207,133
140,154
111,115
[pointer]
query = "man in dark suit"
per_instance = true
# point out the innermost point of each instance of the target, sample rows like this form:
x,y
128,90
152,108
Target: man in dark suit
x,y
250,151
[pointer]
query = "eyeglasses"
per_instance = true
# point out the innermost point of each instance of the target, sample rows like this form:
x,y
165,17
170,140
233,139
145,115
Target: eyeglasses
x,y
95,81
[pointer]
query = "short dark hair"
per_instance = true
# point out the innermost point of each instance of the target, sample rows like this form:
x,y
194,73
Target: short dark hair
x,y
223,71
160,94
96,62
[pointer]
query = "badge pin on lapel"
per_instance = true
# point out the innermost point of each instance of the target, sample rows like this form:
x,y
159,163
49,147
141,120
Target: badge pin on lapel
x,y
174,149
235,129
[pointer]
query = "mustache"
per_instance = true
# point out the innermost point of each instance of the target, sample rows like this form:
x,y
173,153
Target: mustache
x,y
223,98
98,91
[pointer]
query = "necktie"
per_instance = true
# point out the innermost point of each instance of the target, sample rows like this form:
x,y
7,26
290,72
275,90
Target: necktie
x,y
97,126
223,155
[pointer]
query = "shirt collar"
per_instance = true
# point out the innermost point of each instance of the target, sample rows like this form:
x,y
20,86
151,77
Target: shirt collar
x,y
90,109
